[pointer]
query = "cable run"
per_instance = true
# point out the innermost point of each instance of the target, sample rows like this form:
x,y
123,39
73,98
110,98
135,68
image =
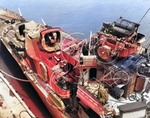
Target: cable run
x,y
14,77
127,8
137,9
144,15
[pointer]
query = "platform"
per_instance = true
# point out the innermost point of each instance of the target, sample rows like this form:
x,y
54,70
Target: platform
x,y
11,105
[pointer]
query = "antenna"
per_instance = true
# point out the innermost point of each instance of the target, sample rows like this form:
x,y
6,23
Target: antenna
x,y
146,43
43,22
19,11
144,15
22,19
90,42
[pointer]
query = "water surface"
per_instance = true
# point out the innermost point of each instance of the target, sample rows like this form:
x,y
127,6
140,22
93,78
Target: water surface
x,y
82,16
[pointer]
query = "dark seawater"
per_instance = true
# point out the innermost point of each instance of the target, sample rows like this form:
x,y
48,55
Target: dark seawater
x,y
82,16
73,16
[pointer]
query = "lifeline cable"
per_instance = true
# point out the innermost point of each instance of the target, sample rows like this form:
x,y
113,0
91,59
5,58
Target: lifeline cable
x,y
144,15
14,77
137,9
127,8
17,96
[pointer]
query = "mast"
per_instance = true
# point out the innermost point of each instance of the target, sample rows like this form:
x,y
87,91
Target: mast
x,y
90,43
146,44
22,19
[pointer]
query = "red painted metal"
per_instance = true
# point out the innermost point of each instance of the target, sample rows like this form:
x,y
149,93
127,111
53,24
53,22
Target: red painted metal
x,y
127,51
63,93
43,32
89,100
124,49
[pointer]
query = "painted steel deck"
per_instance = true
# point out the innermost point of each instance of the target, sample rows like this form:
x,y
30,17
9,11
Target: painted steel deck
x,y
11,105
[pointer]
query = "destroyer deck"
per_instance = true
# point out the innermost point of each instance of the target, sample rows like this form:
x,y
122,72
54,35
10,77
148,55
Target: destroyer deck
x,y
11,105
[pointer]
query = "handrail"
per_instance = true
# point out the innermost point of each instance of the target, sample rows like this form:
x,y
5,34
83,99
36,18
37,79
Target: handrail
x,y
10,12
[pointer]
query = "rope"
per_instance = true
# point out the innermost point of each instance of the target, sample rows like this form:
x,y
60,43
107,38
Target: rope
x,y
14,77
127,8
137,9
144,15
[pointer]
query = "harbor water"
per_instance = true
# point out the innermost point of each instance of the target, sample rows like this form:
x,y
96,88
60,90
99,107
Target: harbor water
x,y
82,16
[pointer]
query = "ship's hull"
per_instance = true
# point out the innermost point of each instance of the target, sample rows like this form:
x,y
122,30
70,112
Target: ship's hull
x,y
55,112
